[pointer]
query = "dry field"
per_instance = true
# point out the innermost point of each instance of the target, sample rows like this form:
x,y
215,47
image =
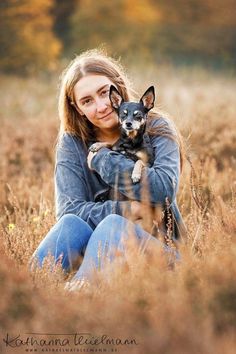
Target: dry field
x,y
190,309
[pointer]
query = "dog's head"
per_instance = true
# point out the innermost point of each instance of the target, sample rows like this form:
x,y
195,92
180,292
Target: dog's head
x,y
132,115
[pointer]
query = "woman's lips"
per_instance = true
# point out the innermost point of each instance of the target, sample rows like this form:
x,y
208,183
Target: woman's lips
x,y
106,115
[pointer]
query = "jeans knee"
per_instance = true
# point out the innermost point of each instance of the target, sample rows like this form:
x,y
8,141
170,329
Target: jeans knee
x,y
114,220
72,220
68,237
68,218
111,227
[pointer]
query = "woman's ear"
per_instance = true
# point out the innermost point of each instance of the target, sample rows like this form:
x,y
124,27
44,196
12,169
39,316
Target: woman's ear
x,y
148,98
115,97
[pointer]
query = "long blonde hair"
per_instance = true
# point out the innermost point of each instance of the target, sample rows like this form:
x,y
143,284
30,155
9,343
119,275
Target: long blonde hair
x,y
96,61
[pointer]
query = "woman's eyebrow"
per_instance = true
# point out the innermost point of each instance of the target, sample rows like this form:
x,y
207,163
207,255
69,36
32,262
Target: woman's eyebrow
x,y
84,98
100,89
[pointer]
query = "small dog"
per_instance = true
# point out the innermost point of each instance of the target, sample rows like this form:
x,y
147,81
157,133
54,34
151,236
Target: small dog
x,y
132,119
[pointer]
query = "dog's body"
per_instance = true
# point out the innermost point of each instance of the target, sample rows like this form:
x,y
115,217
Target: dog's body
x,y
132,119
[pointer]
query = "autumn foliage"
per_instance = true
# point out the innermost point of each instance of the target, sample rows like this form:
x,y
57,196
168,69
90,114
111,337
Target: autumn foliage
x,y
27,43
35,34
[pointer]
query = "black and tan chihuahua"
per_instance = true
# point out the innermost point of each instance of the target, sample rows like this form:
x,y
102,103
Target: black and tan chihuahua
x,y
159,221
132,119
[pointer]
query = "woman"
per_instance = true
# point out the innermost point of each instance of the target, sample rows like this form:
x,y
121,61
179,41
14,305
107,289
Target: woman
x,y
96,207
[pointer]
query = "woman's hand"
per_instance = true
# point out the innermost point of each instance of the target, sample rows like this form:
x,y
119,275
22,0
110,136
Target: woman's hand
x,y
90,157
136,211
146,215
94,149
142,214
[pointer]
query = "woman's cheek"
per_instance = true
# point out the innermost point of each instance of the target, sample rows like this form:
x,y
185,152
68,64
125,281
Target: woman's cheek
x,y
90,114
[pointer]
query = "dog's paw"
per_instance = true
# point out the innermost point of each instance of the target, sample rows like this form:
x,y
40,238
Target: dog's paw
x,y
135,178
95,147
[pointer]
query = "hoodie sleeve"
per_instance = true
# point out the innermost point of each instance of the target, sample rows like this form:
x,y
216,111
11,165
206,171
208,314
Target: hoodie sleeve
x,y
72,191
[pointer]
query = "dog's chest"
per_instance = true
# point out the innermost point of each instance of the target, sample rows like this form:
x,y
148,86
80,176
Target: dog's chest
x,y
135,153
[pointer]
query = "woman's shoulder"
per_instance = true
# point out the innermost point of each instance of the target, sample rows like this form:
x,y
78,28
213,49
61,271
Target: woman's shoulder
x,y
70,142
161,125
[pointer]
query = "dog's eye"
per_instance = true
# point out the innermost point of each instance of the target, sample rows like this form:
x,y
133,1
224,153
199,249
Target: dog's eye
x,y
137,115
123,114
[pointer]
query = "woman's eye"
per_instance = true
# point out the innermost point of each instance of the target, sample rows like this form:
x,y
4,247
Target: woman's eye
x,y
104,92
87,101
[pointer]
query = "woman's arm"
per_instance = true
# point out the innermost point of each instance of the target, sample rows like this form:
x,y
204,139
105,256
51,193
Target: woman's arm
x,y
162,178
72,191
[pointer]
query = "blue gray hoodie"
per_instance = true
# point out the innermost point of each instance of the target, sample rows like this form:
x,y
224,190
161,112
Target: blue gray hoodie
x,y
108,189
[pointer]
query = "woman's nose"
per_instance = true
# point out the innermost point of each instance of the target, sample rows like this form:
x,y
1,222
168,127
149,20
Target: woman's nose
x,y
102,105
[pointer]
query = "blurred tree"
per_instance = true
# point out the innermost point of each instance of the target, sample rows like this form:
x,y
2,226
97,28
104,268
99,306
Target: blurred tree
x,y
27,41
121,24
201,12
197,30
185,30
62,12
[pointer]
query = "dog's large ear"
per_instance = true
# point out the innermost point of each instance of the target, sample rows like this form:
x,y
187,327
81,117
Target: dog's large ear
x,y
148,98
115,97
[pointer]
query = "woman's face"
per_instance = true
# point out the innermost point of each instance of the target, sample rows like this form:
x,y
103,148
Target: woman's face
x,y
91,94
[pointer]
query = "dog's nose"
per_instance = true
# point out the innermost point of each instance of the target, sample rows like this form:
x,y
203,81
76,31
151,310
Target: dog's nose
x,y
128,124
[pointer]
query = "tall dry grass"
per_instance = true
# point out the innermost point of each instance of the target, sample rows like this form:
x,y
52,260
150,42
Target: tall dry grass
x,y
189,309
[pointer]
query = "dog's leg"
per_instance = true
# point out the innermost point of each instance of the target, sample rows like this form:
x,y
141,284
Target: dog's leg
x,y
97,146
94,149
137,171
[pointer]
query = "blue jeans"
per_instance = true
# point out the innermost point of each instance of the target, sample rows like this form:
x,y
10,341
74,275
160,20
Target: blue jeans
x,y
71,237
